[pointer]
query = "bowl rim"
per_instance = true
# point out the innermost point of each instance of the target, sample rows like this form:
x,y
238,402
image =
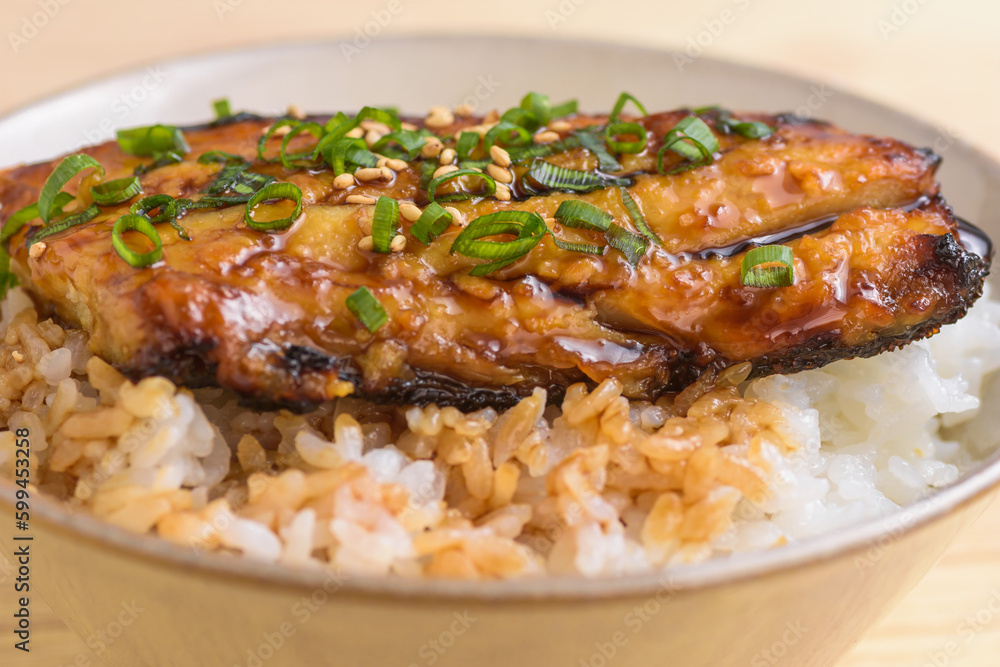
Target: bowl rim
x,y
981,480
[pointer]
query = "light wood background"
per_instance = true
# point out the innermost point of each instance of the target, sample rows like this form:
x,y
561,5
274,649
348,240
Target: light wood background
x,y
935,59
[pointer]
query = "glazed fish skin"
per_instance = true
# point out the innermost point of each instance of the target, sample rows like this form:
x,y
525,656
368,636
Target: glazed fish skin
x,y
265,314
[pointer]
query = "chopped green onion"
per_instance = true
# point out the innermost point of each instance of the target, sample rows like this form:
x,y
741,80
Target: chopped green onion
x,y
160,159
637,218
262,142
587,248
169,210
542,111
555,177
631,245
60,176
433,222
595,144
699,151
136,223
314,129
117,191
7,279
624,99
385,223
271,191
584,215
427,169
21,217
567,108
363,304
467,142
62,224
409,141
749,129
219,156
222,108
527,227
347,152
520,154
768,266
504,131
617,129
489,183
236,177
522,118
148,141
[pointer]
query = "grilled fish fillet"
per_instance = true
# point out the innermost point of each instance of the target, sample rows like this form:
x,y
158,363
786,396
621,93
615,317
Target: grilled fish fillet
x,y
879,260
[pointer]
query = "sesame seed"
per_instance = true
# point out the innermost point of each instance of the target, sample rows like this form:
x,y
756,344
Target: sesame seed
x,y
500,156
382,161
464,110
550,221
441,171
408,126
36,250
360,199
502,193
560,126
398,243
366,244
498,173
546,137
295,111
280,132
456,215
355,133
372,137
432,148
448,156
343,181
409,211
372,174
18,357
397,165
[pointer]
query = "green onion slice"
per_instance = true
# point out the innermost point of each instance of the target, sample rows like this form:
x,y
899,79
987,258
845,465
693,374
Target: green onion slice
x,y
467,142
555,177
427,169
692,139
751,129
314,129
60,176
595,144
274,191
768,266
153,139
385,223
262,142
507,134
631,245
20,218
489,183
624,99
136,223
212,157
521,154
409,141
363,304
617,129
160,159
637,218
347,152
236,177
117,191
62,224
527,228
584,215
169,207
222,108
432,223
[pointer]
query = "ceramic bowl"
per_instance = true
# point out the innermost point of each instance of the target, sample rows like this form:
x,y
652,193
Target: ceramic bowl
x,y
140,601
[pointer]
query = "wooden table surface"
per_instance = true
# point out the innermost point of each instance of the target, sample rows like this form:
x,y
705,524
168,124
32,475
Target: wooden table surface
x,y
936,60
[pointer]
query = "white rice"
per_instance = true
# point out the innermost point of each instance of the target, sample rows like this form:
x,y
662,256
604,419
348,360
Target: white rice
x,y
411,491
